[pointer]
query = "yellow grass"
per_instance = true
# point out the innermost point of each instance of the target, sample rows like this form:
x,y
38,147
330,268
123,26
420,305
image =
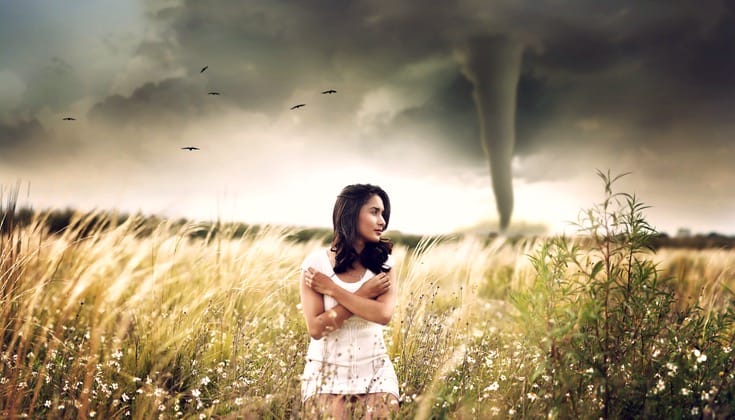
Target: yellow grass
x,y
116,323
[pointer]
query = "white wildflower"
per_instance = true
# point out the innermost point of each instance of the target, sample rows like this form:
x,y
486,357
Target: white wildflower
x,y
492,387
660,386
701,357
672,368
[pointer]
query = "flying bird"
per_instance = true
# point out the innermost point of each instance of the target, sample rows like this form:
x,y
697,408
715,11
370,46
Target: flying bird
x,y
69,119
298,106
190,148
213,93
204,68
330,91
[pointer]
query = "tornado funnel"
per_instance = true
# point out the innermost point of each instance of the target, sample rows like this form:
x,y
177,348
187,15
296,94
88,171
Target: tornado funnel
x,y
493,66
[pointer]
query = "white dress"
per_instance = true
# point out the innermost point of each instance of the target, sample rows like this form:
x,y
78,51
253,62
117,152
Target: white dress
x,y
352,359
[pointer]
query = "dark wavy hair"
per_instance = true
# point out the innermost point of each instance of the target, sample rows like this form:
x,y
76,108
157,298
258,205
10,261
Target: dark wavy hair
x,y
345,217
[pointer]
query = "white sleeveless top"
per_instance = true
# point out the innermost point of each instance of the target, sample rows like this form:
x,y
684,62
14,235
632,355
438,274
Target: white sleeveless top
x,y
358,340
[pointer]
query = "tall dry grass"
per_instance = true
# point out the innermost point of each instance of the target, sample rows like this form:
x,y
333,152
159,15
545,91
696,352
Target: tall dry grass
x,y
133,321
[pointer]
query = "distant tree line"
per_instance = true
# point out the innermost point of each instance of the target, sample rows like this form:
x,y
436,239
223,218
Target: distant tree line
x,y
57,221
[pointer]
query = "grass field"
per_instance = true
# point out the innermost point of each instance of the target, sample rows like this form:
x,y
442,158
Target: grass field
x,y
114,323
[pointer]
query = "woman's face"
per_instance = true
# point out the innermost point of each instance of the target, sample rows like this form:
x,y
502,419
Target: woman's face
x,y
370,222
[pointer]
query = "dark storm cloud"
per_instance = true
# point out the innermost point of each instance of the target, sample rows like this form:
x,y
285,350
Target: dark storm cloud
x,y
19,138
631,62
594,76
164,103
27,143
598,79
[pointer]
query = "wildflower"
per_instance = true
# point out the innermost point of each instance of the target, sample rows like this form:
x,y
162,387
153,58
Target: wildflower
x,y
124,397
47,403
685,391
702,358
695,411
660,386
238,401
205,380
511,412
196,393
92,413
161,407
672,368
532,396
727,349
492,387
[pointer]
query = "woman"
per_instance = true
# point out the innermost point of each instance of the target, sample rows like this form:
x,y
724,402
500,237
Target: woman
x,y
348,294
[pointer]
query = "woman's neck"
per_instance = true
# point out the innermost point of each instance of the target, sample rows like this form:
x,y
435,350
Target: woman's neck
x,y
359,246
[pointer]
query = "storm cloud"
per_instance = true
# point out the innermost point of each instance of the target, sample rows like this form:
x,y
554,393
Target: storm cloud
x,y
628,85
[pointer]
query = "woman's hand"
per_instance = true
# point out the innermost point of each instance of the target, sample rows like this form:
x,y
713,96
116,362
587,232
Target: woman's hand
x,y
375,286
319,282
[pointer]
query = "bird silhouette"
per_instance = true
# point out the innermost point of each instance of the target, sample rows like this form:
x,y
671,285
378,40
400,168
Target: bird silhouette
x,y
204,68
330,91
69,119
213,93
190,148
298,106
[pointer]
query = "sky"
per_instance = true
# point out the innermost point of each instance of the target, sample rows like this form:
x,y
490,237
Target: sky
x,y
555,90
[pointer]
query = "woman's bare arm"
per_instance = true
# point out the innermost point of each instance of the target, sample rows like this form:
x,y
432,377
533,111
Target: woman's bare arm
x,y
327,321
312,305
379,310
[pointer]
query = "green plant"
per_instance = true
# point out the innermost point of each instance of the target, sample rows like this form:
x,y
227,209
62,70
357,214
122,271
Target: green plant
x,y
615,345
